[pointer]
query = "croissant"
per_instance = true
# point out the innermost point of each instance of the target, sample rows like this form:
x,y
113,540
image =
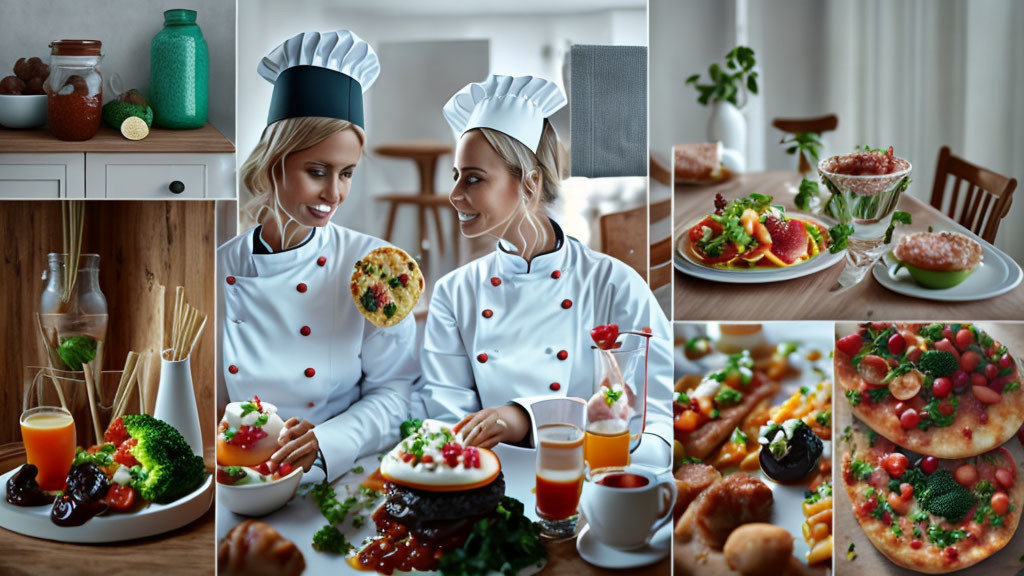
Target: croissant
x,y
253,549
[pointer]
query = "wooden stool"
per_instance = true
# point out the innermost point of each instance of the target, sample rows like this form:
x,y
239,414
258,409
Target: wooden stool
x,y
425,154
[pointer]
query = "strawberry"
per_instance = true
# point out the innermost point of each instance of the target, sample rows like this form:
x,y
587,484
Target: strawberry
x,y
605,336
789,239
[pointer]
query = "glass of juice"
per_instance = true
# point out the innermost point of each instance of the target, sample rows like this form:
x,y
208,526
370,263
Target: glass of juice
x,y
616,410
49,436
558,434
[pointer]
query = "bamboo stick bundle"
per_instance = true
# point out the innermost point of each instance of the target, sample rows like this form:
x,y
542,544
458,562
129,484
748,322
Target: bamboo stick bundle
x,y
186,326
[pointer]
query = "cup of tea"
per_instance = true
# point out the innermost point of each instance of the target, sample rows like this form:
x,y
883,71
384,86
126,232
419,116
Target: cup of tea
x,y
625,506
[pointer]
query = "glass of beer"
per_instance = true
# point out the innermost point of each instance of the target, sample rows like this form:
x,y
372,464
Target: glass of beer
x,y
616,410
558,433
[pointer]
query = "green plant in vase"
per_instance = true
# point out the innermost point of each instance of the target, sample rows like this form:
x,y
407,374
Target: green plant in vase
x,y
806,146
725,83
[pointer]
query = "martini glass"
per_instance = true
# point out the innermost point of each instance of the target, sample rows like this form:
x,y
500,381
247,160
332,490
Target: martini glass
x,y
865,202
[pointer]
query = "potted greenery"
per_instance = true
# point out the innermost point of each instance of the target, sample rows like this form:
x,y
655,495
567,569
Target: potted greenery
x,y
806,146
727,91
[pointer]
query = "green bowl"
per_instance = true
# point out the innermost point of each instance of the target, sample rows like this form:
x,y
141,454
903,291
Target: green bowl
x,y
933,279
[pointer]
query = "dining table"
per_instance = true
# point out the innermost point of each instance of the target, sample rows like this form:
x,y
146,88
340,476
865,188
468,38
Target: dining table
x,y
187,550
809,297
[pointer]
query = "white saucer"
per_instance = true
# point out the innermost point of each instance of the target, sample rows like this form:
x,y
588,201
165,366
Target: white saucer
x,y
605,556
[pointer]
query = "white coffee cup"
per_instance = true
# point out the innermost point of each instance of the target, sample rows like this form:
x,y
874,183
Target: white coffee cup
x,y
623,515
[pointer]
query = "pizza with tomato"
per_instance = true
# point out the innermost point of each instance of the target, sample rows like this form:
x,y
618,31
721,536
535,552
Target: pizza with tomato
x,y
927,514
945,390
386,285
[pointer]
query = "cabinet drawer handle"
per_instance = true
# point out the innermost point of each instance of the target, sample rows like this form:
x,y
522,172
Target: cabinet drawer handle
x,y
177,187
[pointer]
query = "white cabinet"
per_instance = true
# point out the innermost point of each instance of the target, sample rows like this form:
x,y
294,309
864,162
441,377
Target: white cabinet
x,y
37,176
159,176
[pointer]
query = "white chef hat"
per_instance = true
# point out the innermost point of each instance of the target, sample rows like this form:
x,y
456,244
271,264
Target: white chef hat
x,y
514,105
320,74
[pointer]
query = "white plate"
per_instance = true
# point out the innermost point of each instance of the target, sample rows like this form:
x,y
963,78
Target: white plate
x,y
997,274
684,262
152,520
603,556
787,506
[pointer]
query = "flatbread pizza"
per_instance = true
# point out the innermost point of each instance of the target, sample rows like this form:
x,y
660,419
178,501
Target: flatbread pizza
x,y
926,514
386,285
944,390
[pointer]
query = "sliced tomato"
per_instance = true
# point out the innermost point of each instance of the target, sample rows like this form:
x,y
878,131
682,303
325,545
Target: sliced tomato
x,y
728,253
123,456
116,432
697,232
119,497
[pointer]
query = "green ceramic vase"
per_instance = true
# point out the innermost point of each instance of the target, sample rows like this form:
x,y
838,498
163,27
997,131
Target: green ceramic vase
x,y
179,73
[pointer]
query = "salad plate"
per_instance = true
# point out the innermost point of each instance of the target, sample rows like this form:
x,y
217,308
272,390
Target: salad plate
x,y
105,528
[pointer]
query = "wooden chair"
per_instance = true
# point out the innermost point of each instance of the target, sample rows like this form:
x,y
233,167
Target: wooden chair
x,y
425,154
817,125
622,232
988,198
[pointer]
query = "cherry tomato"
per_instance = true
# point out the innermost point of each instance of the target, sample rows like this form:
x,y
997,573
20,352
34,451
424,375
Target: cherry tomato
x,y
906,491
914,354
1000,503
895,464
966,474
284,469
873,369
1005,361
119,497
942,387
916,544
929,464
900,408
909,419
960,380
899,505
969,360
964,338
946,408
897,344
991,371
948,333
978,379
1005,478
986,394
850,345
947,346
264,468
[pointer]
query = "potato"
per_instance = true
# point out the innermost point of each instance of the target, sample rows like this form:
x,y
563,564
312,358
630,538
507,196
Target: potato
x,y
758,549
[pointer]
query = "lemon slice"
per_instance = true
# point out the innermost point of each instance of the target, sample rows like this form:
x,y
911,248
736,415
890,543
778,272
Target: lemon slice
x,y
134,128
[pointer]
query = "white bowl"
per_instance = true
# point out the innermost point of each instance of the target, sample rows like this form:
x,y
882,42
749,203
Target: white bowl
x,y
259,499
22,111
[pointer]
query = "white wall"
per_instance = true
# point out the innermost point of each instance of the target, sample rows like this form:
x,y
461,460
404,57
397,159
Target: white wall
x,y
518,43
126,28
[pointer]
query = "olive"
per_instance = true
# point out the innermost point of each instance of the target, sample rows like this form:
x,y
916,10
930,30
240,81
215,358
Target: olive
x,y
803,452
70,511
86,482
23,490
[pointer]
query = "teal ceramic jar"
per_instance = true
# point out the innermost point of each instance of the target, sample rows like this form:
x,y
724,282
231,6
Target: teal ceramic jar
x,y
179,72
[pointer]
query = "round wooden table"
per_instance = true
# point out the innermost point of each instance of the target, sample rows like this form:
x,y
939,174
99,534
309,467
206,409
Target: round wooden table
x,y
187,550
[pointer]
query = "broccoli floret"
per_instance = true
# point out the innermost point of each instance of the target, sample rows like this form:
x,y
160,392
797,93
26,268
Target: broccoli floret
x,y
944,496
171,469
330,539
938,363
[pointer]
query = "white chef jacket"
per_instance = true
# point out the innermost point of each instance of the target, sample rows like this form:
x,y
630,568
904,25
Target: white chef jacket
x,y
501,329
292,335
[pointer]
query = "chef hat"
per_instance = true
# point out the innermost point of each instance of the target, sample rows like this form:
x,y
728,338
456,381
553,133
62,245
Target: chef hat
x,y
514,105
320,74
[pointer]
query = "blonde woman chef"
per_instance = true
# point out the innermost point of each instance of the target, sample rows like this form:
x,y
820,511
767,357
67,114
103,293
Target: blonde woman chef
x,y
291,333
514,326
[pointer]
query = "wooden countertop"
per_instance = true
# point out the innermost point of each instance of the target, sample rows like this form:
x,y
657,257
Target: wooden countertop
x,y
203,140
808,298
187,550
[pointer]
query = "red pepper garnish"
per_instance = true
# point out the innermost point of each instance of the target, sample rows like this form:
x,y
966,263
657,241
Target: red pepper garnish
x,y
256,400
605,336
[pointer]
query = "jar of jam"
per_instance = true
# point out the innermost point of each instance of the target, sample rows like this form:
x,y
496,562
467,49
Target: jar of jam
x,y
74,90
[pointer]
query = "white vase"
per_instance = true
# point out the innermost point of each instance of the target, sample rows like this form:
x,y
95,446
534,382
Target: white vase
x,y
176,401
728,126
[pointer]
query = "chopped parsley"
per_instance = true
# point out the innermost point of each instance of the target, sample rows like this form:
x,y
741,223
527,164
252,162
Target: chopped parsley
x,y
823,491
824,418
943,538
935,416
878,395
738,437
861,469
727,396
854,397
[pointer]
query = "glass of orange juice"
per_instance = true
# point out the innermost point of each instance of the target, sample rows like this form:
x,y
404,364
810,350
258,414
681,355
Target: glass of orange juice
x,y
616,411
558,434
49,436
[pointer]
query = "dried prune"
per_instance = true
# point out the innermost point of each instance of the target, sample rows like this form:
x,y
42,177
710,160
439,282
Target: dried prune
x,y
12,85
23,490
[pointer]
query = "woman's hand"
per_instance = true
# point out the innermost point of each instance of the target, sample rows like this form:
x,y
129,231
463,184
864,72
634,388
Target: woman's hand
x,y
298,445
486,428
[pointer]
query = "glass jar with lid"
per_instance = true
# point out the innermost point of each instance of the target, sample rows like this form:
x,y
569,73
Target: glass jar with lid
x,y
74,89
